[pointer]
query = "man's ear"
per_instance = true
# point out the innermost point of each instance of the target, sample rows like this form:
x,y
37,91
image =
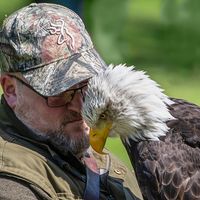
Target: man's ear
x,y
9,89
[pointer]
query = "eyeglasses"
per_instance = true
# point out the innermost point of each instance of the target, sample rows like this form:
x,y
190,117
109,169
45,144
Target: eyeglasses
x,y
57,100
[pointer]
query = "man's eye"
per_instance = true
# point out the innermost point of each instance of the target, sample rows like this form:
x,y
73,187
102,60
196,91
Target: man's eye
x,y
68,94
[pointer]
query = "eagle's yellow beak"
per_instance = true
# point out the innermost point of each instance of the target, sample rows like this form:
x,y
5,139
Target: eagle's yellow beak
x,y
98,137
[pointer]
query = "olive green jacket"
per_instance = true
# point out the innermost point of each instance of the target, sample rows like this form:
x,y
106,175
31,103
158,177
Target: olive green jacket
x,y
51,175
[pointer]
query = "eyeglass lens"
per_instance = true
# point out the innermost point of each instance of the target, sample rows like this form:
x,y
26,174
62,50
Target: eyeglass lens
x,y
66,97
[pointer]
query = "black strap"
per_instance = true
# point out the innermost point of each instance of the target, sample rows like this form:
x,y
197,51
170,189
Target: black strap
x,y
92,185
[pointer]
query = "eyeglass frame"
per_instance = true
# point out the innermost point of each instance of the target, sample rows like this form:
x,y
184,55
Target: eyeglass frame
x,y
47,97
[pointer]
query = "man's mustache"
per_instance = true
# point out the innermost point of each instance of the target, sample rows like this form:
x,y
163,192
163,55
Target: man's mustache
x,y
72,116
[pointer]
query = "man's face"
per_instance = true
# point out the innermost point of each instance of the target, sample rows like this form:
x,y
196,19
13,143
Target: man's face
x,y
63,127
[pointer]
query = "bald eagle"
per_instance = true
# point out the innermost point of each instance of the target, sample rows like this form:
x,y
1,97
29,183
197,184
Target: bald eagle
x,y
161,134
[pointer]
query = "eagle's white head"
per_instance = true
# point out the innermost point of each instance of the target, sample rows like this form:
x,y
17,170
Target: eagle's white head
x,y
125,102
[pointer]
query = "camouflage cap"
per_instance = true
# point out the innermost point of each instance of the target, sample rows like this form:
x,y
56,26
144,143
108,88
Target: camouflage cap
x,y
49,45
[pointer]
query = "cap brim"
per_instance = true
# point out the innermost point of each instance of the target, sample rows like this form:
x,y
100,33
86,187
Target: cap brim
x,y
57,77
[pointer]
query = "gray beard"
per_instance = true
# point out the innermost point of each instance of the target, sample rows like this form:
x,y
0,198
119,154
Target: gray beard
x,y
64,143
61,141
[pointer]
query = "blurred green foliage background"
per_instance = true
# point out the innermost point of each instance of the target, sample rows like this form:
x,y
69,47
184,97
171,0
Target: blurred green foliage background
x,y
161,37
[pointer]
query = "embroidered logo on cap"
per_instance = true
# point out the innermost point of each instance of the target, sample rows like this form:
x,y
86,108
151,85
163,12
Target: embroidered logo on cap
x,y
62,32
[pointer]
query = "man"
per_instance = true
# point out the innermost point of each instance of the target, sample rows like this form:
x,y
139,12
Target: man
x,y
46,59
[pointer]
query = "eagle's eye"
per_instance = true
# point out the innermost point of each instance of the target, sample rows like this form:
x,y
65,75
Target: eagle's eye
x,y
102,116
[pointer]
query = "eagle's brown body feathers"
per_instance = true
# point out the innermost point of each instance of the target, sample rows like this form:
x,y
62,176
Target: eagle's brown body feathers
x,y
170,168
